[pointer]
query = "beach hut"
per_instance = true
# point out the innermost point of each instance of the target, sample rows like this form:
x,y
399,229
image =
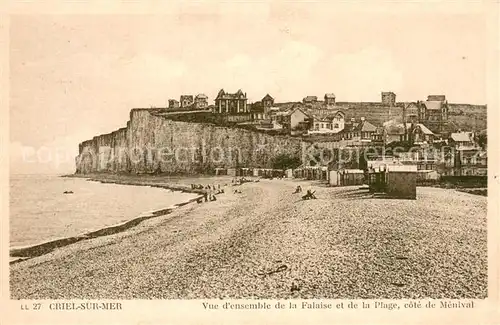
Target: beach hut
x,y
220,171
346,177
333,178
402,182
352,177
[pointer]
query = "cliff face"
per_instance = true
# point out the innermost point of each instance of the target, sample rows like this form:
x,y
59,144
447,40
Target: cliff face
x,y
153,143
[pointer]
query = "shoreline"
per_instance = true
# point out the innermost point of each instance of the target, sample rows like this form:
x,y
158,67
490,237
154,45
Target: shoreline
x,y
264,240
21,253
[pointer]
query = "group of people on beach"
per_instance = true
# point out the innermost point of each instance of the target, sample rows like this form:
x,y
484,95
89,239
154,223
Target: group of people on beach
x,y
209,191
241,180
206,187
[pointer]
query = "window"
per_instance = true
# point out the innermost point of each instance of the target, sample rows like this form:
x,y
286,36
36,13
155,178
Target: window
x,y
336,125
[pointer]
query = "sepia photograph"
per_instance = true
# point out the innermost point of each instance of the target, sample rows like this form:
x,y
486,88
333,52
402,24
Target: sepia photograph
x,y
282,150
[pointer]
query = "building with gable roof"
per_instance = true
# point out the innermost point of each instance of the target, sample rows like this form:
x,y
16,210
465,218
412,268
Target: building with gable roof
x,y
186,101
329,124
434,115
232,104
201,101
173,104
260,110
293,119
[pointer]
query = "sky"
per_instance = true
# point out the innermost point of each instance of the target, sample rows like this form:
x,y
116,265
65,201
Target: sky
x,y
76,76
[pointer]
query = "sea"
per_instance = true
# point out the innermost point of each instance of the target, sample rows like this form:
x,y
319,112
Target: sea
x,y
41,212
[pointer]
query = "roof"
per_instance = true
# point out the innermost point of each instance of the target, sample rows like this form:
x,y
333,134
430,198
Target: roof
x,y
402,168
410,105
399,128
330,116
436,98
363,126
310,98
201,96
187,96
460,137
423,128
352,171
267,97
290,112
330,95
433,104
238,95
366,126
395,128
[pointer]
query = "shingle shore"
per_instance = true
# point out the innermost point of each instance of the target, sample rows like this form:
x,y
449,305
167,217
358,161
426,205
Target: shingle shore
x,y
267,243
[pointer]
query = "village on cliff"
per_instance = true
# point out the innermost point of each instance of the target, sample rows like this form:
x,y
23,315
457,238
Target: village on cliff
x,y
426,124
424,142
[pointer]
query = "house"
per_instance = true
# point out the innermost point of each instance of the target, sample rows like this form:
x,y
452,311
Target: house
x,y
267,101
201,101
462,141
227,103
393,132
331,123
469,158
411,112
414,133
358,132
472,162
310,100
173,104
292,119
434,115
186,101
388,98
419,133
329,99
260,110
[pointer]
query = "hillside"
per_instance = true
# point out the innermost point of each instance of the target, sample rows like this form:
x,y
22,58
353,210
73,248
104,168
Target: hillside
x,y
461,116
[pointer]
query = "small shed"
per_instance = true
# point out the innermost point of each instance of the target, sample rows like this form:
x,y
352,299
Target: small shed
x,y
402,182
220,171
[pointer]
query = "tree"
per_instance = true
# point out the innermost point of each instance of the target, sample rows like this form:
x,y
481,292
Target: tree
x,y
482,139
286,161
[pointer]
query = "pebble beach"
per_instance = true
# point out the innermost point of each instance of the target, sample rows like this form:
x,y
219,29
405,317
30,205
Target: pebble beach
x,y
266,242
